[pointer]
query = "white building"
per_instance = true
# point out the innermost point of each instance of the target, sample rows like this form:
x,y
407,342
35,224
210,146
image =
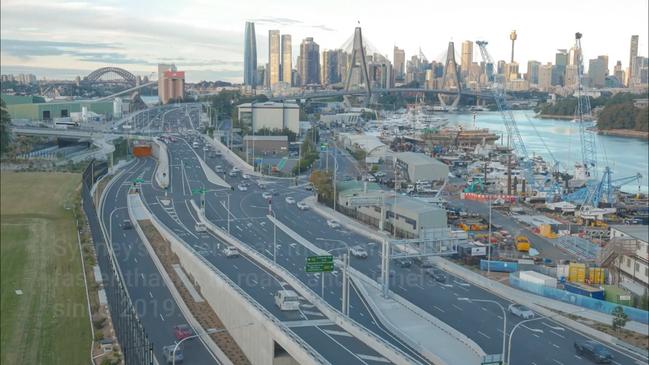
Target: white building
x,y
628,253
371,145
420,167
270,115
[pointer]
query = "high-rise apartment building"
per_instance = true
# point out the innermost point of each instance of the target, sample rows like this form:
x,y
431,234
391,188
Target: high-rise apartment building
x,y
532,74
273,57
633,53
332,66
597,71
309,62
250,55
171,83
571,75
545,77
467,58
619,73
399,63
287,58
511,71
500,69
560,63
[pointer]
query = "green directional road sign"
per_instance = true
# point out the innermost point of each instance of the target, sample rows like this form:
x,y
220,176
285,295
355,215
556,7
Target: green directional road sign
x,y
139,180
199,191
320,263
323,147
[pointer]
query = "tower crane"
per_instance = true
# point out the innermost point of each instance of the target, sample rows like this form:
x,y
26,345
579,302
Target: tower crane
x,y
591,194
583,114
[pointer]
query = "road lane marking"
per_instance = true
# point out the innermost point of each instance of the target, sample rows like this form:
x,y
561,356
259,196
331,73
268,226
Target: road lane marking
x,y
554,333
337,333
438,308
458,308
161,317
150,295
484,335
557,361
373,358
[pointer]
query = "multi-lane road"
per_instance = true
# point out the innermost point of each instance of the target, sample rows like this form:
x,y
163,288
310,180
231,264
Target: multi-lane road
x,y
246,215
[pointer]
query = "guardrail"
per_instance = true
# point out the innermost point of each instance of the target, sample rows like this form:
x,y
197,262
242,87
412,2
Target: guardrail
x,y
354,328
245,296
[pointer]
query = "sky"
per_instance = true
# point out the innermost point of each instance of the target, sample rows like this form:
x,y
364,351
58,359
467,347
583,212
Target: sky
x,y
62,39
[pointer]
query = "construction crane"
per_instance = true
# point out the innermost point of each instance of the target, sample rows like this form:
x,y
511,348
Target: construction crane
x,y
583,114
515,141
591,194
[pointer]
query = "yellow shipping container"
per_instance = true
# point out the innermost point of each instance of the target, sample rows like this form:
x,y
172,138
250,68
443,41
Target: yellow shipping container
x,y
577,273
546,231
596,276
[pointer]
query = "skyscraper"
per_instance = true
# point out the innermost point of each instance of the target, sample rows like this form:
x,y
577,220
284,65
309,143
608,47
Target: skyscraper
x,y
273,57
287,58
332,66
619,73
309,62
559,70
467,58
632,55
545,77
250,55
532,74
399,63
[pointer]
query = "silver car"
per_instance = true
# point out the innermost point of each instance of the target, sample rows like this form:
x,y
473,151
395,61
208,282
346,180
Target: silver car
x,y
521,311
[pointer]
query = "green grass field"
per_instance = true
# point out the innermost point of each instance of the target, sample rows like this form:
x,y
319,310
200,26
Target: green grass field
x,y
48,323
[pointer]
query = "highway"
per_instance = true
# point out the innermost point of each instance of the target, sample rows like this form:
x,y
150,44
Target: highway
x,y
247,212
331,341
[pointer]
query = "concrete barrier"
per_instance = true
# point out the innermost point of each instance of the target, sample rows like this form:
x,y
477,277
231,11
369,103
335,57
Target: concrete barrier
x,y
133,202
209,173
159,151
236,308
379,345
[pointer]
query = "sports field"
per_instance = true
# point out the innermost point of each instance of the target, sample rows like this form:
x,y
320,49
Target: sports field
x,y
47,323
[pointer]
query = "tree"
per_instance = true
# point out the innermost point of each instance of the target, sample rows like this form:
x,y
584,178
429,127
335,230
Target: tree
x,y
619,318
5,130
323,183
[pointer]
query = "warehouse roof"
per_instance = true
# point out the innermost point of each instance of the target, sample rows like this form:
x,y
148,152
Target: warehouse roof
x,y
639,232
415,158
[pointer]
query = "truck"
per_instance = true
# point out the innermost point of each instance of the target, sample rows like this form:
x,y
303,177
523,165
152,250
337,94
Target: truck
x,y
522,243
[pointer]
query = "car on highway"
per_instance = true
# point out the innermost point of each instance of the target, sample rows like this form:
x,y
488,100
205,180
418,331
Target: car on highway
x,y
242,187
290,200
218,169
266,195
302,206
308,187
182,331
424,262
520,311
206,148
358,252
379,174
126,224
436,274
244,176
403,263
233,173
287,300
332,223
230,251
594,351
195,144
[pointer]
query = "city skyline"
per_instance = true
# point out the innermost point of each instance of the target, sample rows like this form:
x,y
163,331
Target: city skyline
x,y
210,52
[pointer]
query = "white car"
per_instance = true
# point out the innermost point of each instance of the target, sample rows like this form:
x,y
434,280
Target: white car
x,y
266,195
302,206
233,173
244,176
205,148
230,252
289,200
242,187
235,169
358,252
200,227
521,311
332,223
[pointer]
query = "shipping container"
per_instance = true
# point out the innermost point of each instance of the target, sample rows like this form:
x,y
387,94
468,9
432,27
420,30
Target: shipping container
x,y
585,290
563,271
596,276
499,266
538,278
577,273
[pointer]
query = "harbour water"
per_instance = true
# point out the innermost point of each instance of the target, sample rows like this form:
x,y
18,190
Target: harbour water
x,y
625,156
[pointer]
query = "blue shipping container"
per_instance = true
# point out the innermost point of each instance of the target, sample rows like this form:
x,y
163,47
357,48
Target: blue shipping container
x,y
499,266
585,290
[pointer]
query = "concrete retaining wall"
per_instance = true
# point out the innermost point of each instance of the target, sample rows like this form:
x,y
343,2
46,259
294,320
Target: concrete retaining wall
x,y
159,151
236,308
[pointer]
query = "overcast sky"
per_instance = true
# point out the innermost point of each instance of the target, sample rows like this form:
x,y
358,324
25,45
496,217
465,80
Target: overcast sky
x,y
59,38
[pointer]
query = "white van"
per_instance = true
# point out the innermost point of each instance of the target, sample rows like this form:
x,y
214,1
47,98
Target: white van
x,y
287,300
195,144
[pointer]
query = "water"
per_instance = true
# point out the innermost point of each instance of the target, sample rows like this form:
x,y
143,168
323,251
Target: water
x,y
625,156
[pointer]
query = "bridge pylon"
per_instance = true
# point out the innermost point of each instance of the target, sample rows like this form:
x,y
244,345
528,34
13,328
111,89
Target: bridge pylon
x,y
450,80
358,61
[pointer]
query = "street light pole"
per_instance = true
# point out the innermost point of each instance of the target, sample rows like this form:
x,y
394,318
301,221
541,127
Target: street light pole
x,y
511,334
229,213
208,332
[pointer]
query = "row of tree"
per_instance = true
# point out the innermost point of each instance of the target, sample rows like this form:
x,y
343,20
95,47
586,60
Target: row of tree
x,y
624,116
